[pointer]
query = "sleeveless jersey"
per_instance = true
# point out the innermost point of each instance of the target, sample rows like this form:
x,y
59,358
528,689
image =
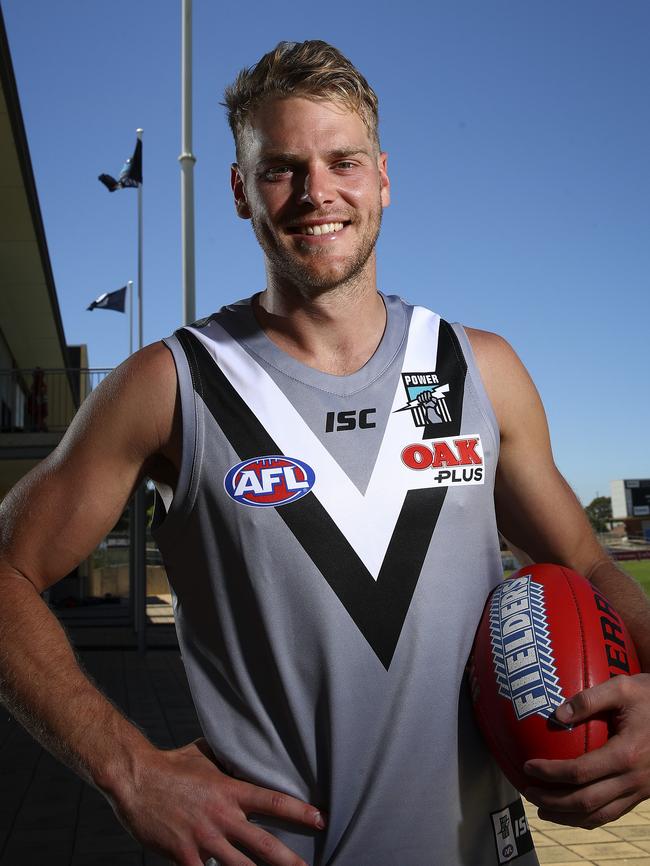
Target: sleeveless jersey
x,y
330,545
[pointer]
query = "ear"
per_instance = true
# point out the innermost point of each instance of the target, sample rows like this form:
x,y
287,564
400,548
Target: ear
x,y
238,191
384,182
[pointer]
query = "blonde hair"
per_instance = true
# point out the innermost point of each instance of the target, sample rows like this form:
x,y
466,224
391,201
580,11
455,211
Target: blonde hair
x,y
313,69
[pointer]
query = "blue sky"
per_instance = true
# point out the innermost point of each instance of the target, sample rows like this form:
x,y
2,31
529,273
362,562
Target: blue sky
x,y
518,136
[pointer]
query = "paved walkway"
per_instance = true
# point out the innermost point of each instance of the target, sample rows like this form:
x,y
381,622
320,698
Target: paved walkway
x,y
624,841
49,817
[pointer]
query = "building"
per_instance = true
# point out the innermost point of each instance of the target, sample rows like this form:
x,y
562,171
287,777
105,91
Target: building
x,y
43,380
631,505
39,392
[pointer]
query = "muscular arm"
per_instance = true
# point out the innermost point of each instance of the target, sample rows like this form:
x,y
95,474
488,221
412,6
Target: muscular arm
x,y
176,802
536,509
53,519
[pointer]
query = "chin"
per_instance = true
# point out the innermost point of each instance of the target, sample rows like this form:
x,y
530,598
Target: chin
x,y
316,282
317,271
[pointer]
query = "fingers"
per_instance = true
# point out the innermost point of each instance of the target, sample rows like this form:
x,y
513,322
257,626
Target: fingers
x,y
223,854
185,807
268,847
262,800
612,758
610,695
589,791
236,830
584,800
622,753
230,846
254,840
602,785
597,818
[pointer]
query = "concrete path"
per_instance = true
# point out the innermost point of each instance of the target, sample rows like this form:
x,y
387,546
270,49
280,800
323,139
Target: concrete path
x,y
624,841
49,817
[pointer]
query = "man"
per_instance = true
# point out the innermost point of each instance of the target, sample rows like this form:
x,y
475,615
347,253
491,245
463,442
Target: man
x,y
326,587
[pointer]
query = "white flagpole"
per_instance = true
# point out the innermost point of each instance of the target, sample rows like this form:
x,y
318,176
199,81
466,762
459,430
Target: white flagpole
x,y
139,134
140,514
130,291
187,160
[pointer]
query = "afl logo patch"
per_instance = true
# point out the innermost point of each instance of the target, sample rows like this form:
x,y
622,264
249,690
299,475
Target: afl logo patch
x,y
265,482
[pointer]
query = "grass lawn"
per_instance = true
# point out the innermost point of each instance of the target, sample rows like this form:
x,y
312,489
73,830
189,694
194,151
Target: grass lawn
x,y
639,569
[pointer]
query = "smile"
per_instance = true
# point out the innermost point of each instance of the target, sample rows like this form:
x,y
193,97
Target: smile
x,y
324,229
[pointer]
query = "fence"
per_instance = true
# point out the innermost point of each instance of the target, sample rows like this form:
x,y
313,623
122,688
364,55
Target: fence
x,y
44,400
628,555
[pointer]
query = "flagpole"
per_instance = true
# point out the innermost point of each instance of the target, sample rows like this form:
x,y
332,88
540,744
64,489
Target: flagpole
x,y
130,285
139,134
131,175
187,160
140,515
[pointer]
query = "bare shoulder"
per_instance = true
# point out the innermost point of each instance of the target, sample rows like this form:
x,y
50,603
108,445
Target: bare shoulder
x,y
506,379
60,510
134,404
149,369
490,350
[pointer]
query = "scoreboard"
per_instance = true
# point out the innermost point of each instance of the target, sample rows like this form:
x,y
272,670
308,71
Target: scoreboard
x,y
631,497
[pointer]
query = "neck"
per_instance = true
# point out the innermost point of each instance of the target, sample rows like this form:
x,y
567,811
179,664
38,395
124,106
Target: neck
x,y
336,331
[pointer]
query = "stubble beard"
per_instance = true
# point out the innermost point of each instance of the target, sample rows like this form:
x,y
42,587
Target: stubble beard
x,y
289,268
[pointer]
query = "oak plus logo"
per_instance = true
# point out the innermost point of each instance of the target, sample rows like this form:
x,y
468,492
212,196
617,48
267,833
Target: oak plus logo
x,y
456,460
265,482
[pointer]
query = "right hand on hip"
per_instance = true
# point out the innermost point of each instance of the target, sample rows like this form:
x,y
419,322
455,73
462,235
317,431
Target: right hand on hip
x,y
183,807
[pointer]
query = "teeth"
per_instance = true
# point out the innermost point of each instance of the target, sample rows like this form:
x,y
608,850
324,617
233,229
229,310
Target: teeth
x,y
325,229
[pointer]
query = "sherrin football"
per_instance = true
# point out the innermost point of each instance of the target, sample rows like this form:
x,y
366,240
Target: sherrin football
x,y
545,634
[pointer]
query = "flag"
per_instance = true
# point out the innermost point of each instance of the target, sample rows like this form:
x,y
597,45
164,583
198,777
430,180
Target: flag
x,y
110,301
131,174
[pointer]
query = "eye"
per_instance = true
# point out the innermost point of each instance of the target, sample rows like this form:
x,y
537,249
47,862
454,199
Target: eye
x,y
277,172
345,163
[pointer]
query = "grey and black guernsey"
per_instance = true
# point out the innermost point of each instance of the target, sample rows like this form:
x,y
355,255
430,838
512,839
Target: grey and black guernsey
x,y
330,546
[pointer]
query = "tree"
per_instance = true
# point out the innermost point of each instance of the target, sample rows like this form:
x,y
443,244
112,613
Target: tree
x,y
599,511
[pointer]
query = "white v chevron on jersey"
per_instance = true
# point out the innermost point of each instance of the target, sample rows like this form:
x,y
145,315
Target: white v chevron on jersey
x,y
378,603
367,520
311,674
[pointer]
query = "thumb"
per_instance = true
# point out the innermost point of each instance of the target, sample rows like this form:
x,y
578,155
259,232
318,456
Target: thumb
x,y
589,702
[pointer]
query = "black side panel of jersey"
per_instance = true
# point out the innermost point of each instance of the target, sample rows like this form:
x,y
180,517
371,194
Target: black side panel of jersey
x,y
450,367
379,607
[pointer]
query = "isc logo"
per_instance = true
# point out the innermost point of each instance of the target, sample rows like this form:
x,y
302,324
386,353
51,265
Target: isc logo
x,y
347,420
269,481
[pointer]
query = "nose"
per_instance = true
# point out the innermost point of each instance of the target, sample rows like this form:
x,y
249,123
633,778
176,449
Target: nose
x,y
318,187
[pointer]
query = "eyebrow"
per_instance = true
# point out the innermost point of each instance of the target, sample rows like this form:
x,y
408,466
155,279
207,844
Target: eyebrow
x,y
288,156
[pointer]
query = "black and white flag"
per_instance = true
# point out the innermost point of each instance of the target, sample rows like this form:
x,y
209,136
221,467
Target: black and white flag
x,y
131,174
110,301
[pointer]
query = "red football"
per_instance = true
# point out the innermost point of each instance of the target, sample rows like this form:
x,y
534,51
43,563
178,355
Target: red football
x,y
545,634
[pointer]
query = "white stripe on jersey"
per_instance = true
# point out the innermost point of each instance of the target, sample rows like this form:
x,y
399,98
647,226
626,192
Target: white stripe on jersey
x,y
367,521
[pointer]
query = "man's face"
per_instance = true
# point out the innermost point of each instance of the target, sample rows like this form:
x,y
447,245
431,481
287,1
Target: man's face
x,y
314,186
